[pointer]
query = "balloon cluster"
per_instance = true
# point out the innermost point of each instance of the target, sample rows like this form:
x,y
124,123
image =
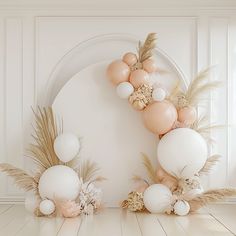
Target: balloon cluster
x,y
131,76
182,152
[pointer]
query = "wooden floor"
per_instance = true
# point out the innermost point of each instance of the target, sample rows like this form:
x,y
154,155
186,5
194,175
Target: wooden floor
x,y
214,220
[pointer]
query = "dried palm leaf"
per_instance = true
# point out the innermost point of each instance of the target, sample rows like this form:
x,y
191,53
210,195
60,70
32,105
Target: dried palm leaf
x,y
210,197
211,161
22,179
46,130
146,50
87,170
151,171
199,86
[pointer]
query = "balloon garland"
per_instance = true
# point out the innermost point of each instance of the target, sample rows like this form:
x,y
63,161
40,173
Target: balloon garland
x,y
174,186
61,184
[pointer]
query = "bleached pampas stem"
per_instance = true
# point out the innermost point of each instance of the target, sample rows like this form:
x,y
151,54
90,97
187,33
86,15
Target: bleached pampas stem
x,y
210,197
151,171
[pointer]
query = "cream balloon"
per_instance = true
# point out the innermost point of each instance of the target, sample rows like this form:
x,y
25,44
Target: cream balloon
x,y
66,146
157,198
158,94
181,208
124,90
31,202
59,182
182,152
47,207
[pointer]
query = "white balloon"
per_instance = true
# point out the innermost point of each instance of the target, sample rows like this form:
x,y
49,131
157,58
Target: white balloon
x,y
157,198
124,89
59,182
182,152
66,146
181,208
31,202
158,94
47,207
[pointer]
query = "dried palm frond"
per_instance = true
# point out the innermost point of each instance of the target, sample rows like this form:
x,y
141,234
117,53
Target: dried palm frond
x,y
87,170
199,86
46,130
146,50
210,162
22,179
210,197
151,171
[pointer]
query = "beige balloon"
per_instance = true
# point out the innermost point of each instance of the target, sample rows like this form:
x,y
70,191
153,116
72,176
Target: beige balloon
x,y
159,117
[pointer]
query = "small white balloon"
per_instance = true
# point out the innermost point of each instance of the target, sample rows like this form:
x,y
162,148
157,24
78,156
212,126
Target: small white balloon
x,y
60,182
66,146
47,207
124,90
31,202
158,94
181,208
182,152
157,198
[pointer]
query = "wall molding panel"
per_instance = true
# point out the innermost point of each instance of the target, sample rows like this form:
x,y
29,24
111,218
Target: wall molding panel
x,y
34,39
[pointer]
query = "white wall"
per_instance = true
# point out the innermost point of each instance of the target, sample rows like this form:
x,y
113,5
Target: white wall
x,y
35,37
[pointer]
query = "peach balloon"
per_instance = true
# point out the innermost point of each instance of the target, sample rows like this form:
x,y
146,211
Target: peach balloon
x,y
130,58
159,117
150,65
187,115
138,78
118,72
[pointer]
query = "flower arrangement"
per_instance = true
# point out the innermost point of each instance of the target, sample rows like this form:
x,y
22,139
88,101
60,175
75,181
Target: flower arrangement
x,y
62,183
174,186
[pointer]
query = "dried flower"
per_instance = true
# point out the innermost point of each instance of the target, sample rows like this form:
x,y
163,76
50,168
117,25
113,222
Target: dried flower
x,y
141,97
89,198
134,202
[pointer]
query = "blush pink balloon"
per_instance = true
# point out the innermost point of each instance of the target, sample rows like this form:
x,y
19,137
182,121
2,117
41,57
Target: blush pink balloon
x,y
118,72
138,78
130,58
150,65
187,115
159,117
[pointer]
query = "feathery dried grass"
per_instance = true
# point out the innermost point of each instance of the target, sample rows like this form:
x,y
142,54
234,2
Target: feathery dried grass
x,y
46,130
199,86
211,161
151,171
146,50
210,197
87,170
22,179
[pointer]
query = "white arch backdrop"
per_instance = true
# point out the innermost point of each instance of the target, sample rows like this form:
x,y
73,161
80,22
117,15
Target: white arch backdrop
x,y
112,132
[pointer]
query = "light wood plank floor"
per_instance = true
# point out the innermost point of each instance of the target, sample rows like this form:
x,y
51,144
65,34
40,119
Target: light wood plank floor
x,y
213,220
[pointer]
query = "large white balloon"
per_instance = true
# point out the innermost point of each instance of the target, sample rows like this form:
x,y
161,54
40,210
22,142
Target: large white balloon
x,y
124,89
182,152
157,198
31,202
66,146
59,182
